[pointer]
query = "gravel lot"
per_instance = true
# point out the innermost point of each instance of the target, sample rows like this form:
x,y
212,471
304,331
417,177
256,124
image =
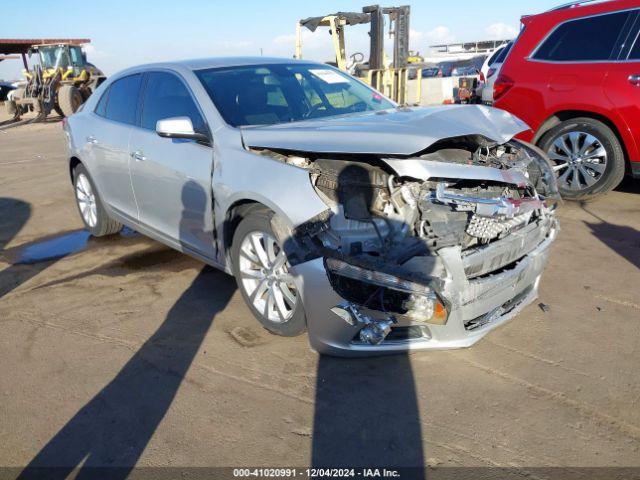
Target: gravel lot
x,y
119,352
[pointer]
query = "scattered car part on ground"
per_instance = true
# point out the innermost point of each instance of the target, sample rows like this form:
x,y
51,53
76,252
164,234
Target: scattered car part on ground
x,y
378,228
573,76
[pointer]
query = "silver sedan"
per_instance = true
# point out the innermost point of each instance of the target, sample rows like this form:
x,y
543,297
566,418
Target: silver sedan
x,y
377,228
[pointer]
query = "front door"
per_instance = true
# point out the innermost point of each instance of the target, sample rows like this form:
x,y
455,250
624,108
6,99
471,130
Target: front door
x,y
622,85
172,177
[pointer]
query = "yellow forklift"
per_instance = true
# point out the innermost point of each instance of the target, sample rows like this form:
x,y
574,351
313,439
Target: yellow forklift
x,y
61,81
390,78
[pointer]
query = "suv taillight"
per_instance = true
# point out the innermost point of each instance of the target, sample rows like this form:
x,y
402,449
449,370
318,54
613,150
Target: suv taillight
x,y
501,86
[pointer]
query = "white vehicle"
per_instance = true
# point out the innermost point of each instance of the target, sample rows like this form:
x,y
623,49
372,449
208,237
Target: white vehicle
x,y
493,65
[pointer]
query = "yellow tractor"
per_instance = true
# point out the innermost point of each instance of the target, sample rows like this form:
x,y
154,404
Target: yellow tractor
x,y
62,80
415,57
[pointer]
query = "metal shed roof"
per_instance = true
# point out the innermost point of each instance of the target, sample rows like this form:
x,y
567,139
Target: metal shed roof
x,y
22,45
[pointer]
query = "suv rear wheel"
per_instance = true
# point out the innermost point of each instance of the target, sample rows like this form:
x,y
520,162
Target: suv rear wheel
x,y
587,156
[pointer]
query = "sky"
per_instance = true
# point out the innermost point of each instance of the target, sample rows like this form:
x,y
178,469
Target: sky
x,y
126,33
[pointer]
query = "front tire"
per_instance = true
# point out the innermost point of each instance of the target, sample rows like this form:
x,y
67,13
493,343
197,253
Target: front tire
x,y
90,205
69,100
262,273
587,155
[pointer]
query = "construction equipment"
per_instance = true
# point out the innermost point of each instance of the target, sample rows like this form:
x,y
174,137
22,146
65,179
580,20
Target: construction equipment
x,y
415,57
61,80
390,78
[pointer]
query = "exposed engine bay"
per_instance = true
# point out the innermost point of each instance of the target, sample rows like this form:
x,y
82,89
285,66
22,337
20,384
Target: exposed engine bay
x,y
390,218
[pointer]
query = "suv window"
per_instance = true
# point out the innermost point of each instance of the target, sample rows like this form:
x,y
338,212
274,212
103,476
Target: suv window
x,y
166,96
585,39
634,54
123,99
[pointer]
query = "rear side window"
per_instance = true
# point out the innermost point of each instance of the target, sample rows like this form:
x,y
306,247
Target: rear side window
x,y
101,108
123,99
585,39
166,97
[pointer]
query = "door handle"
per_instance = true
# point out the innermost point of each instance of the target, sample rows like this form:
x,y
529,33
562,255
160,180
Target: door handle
x,y
634,80
91,139
138,156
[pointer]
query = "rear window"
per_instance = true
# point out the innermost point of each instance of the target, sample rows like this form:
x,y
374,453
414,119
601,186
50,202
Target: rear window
x,y
494,56
585,39
503,53
123,99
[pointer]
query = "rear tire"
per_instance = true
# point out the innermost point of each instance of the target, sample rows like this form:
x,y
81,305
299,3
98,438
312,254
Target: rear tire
x,y
69,100
12,108
266,289
593,156
90,206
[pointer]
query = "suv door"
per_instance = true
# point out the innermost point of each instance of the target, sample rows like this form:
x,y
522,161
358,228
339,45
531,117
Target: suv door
x,y
172,177
576,56
622,85
108,144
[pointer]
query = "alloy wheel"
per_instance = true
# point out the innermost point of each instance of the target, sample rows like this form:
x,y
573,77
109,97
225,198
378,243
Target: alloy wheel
x,y
265,277
580,160
86,200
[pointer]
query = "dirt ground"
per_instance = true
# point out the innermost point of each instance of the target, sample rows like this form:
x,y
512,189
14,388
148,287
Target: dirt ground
x,y
120,352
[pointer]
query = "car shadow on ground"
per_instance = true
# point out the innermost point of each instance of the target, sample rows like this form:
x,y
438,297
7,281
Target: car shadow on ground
x,y
14,214
622,239
629,185
366,410
107,436
114,427
367,415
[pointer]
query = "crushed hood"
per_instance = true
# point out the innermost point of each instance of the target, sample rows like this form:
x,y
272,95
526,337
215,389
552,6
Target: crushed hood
x,y
402,131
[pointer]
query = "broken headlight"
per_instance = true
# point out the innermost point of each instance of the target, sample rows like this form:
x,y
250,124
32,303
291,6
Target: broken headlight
x,y
385,292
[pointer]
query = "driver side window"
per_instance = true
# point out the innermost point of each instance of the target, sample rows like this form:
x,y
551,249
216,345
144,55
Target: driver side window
x,y
165,96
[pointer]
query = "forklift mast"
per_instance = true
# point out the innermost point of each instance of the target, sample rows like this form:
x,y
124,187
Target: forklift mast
x,y
398,27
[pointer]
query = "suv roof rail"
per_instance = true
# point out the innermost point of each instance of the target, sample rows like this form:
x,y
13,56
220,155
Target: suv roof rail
x,y
572,4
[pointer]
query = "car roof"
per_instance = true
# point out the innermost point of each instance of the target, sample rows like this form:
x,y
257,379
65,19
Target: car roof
x,y
218,62
583,9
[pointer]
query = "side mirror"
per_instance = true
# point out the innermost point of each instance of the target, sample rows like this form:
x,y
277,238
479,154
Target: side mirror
x,y
180,127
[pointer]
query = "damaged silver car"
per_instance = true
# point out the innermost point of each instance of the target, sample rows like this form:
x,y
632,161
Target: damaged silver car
x,y
377,228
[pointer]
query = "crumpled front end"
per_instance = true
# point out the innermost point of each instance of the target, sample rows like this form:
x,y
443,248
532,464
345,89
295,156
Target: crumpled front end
x,y
430,251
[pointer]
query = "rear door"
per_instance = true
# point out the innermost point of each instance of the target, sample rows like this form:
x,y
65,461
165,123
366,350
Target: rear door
x,y
108,144
577,55
172,177
622,85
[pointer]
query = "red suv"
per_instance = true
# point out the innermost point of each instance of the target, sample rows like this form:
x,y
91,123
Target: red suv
x,y
573,75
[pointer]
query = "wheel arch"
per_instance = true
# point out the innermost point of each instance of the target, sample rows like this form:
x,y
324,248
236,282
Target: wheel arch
x,y
564,115
73,163
232,218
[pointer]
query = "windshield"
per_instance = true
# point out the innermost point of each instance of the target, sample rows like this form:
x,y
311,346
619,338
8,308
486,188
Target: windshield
x,y
270,94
